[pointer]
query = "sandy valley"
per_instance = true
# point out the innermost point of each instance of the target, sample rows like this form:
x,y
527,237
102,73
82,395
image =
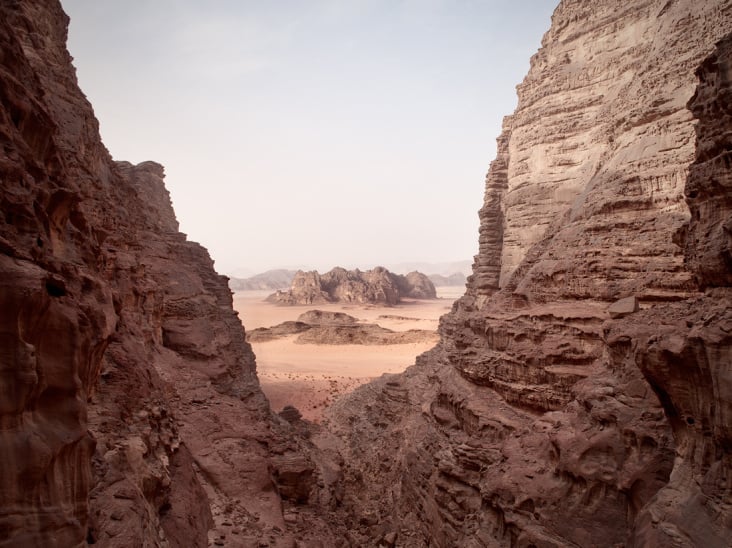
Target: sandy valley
x,y
311,376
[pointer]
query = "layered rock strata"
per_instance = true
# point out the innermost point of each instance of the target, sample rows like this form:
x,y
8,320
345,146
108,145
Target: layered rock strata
x,y
354,286
131,412
537,421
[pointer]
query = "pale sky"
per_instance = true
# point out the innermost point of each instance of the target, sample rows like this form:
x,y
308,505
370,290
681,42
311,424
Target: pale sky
x,y
311,133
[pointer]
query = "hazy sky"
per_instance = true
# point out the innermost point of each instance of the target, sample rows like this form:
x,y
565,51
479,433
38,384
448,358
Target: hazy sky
x,y
311,133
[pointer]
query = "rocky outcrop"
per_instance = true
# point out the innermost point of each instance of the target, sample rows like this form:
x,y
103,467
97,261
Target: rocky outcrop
x,y
129,395
415,285
353,286
538,420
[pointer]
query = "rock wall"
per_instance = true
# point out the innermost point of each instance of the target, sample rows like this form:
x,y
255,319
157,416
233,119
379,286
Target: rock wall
x,y
131,411
538,421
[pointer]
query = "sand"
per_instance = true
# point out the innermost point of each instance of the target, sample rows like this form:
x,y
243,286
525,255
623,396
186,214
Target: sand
x,y
311,376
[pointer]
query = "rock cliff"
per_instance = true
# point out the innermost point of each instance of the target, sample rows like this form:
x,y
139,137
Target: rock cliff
x,y
130,407
353,286
538,420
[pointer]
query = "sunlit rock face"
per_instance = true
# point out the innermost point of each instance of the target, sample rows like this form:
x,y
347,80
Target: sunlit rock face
x,y
538,420
130,410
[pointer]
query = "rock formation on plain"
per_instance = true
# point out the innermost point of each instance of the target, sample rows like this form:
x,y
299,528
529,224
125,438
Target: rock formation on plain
x,y
439,280
323,327
131,411
354,286
538,420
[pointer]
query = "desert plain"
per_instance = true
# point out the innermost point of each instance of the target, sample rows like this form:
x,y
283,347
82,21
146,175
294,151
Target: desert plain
x,y
311,376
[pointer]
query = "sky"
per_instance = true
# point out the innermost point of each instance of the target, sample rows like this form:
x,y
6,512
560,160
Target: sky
x,y
311,133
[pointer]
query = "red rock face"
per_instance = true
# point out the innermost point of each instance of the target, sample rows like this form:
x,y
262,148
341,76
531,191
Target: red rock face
x,y
130,408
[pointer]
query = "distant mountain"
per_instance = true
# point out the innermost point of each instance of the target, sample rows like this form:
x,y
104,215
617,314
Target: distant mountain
x,y
443,269
355,286
272,279
458,278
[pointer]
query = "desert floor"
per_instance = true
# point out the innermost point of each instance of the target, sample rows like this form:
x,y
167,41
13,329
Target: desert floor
x,y
311,376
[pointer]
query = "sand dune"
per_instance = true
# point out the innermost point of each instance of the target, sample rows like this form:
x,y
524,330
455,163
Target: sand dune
x,y
310,376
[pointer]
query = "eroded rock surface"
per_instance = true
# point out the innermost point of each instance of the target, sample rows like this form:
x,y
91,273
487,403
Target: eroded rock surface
x,y
538,420
353,286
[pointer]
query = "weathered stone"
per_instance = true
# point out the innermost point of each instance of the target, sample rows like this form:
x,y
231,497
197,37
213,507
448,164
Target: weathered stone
x,y
322,317
319,327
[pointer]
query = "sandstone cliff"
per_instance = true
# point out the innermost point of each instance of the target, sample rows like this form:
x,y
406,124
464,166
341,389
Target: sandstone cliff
x,y
538,421
353,286
130,408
